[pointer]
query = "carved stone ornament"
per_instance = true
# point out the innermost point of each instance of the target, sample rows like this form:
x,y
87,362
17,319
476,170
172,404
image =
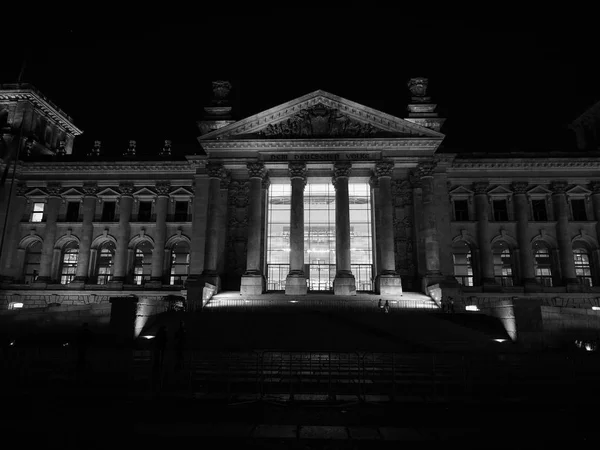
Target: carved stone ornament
x,y
21,189
95,151
90,189
341,170
480,187
318,120
425,169
126,189
166,150
220,90
216,170
131,149
256,170
297,170
163,188
226,180
384,169
238,193
374,182
595,185
559,187
418,86
520,187
54,189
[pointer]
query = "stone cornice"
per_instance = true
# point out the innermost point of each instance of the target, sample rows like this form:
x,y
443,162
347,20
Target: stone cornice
x,y
316,144
103,167
42,104
526,165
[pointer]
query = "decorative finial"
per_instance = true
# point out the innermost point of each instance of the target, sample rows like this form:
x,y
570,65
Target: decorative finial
x,y
221,91
166,150
131,149
61,150
418,89
95,151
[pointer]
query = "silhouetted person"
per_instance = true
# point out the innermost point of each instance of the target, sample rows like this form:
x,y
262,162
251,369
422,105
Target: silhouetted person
x,y
160,345
386,307
84,341
180,342
450,304
379,304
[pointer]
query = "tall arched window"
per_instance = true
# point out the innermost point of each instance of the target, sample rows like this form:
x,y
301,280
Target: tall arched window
x,y
68,266
142,264
180,262
543,264
583,269
463,270
104,265
503,265
33,255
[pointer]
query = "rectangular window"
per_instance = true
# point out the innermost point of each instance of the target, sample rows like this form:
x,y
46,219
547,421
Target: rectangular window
x,y
181,211
539,210
578,208
461,210
500,210
145,212
72,211
38,212
108,211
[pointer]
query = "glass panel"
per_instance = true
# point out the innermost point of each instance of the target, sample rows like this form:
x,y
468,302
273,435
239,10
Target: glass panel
x,y
32,262
180,261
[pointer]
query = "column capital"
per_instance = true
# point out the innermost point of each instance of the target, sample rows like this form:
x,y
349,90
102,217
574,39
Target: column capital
x,y
54,189
480,187
595,185
520,187
558,187
21,189
163,188
226,180
90,189
425,169
216,170
256,170
297,169
384,169
341,170
126,189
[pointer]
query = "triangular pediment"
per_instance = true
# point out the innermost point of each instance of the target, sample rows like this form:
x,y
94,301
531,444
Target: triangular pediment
x,y
578,190
108,192
72,193
144,192
539,190
320,115
461,190
36,192
181,192
499,191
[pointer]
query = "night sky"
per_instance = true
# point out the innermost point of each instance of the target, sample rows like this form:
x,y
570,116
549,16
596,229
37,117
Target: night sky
x,y
504,86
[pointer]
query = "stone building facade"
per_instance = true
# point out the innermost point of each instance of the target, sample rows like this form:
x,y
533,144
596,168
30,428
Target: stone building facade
x,y
317,194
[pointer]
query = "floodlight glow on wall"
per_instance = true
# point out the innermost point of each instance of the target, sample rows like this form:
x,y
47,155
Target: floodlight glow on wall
x,y
471,308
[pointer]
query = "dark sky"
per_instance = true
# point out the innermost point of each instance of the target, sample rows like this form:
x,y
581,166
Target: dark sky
x,y
502,84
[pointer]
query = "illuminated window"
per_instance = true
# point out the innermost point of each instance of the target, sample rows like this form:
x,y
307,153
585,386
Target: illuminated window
x,y
180,263
68,267
33,255
503,265
37,214
583,270
543,265
142,265
463,269
104,265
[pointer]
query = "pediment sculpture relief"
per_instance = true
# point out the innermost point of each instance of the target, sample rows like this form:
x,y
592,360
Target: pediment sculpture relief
x,y
319,121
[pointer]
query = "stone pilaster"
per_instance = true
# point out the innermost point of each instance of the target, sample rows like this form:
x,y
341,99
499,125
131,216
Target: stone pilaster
x,y
163,188
344,282
295,283
253,280
87,233
388,280
486,257
216,172
527,262
11,262
376,226
425,172
561,215
123,234
52,208
595,188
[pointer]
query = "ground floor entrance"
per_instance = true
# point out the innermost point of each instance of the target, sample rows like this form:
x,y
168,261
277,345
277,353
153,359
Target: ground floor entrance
x,y
319,277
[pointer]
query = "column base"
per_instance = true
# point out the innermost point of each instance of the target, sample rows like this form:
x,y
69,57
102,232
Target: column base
x,y
344,284
295,284
252,284
389,284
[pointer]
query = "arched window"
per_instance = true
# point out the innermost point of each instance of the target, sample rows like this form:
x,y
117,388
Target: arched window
x,y
583,269
180,262
68,266
33,255
543,264
503,265
142,264
104,265
463,270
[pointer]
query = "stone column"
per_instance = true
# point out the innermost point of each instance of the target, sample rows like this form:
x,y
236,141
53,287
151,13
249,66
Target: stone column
x,y
216,172
433,274
12,263
199,226
486,256
388,279
376,226
595,187
253,280
525,250
344,282
87,233
295,282
561,215
52,208
163,188
123,234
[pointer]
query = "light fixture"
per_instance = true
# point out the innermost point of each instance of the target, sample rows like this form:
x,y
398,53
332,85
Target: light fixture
x,y
471,308
596,308
500,340
293,301
148,337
